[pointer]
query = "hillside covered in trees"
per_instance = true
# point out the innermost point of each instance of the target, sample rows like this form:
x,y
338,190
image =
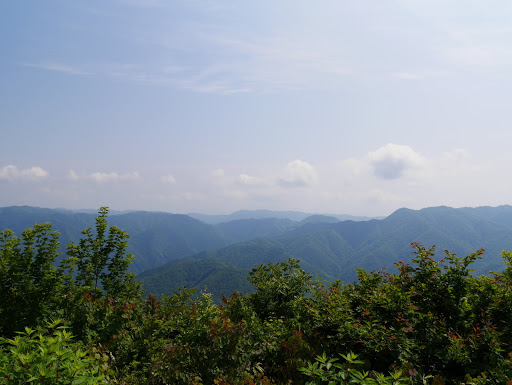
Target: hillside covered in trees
x,y
173,250
82,318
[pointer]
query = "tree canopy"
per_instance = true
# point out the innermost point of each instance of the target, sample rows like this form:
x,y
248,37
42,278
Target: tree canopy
x,y
85,320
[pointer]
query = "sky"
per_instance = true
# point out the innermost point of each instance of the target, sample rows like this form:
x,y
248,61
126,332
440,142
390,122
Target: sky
x,y
340,107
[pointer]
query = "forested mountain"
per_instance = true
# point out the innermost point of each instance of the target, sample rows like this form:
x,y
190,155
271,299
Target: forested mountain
x,y
215,255
335,250
246,229
88,322
160,237
69,224
210,274
155,238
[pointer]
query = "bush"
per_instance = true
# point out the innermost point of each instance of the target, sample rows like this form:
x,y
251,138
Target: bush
x,y
330,371
49,356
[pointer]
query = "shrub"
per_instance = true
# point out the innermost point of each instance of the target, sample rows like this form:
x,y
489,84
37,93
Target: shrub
x,y
330,371
49,356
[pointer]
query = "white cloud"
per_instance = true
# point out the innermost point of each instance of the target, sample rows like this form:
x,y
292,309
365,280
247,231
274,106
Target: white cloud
x,y
169,179
218,173
393,160
298,173
218,177
248,180
34,173
12,173
396,176
457,154
72,175
103,177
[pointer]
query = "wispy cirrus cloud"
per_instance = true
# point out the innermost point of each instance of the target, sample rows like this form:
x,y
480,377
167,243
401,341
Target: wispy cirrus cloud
x,y
205,49
215,61
143,3
58,67
465,39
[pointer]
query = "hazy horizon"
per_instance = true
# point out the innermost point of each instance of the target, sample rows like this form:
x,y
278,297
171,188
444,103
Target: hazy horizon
x,y
228,213
211,107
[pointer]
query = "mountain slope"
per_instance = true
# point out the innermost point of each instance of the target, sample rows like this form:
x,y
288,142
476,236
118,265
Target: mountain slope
x,y
330,249
245,229
212,275
335,250
155,238
160,237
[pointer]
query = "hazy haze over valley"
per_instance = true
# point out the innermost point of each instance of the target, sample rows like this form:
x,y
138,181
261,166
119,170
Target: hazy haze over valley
x,y
211,107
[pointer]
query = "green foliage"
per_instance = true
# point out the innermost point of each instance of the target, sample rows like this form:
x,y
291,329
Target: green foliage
x,y
101,261
352,372
280,288
431,317
49,356
29,281
501,373
183,340
427,322
91,289
218,278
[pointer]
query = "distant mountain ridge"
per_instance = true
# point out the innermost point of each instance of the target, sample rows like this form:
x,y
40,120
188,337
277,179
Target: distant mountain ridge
x,y
265,214
155,237
335,250
174,249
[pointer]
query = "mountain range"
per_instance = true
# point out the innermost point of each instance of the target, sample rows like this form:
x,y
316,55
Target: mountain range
x,y
173,250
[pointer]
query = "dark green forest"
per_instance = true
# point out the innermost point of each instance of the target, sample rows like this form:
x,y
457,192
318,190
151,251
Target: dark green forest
x,y
175,250
76,314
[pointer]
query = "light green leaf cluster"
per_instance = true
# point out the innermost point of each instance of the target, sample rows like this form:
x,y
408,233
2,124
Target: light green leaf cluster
x,y
48,356
101,261
328,370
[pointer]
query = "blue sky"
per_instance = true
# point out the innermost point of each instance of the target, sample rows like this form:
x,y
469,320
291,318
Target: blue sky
x,y
214,106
